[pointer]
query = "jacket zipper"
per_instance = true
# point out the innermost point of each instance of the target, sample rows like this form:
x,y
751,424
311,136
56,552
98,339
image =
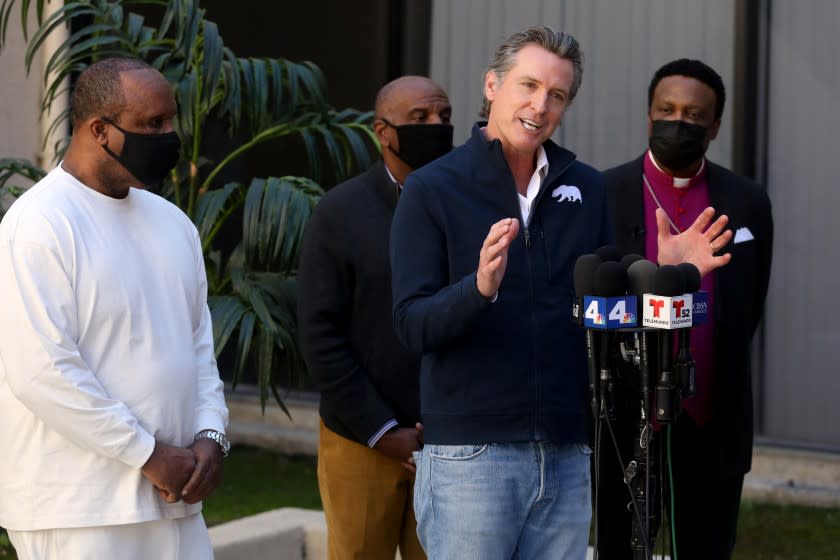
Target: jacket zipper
x,y
527,236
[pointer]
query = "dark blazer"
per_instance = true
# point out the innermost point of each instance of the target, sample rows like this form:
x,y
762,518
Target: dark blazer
x,y
364,374
740,290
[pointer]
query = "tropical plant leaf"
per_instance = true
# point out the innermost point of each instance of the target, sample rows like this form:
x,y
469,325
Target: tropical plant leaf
x,y
247,327
213,210
274,216
252,288
226,313
16,168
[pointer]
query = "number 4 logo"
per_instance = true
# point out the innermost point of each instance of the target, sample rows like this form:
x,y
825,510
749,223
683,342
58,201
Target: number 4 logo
x,y
592,311
618,312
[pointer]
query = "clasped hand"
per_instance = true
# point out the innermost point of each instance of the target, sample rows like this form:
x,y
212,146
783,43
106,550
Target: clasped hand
x,y
189,473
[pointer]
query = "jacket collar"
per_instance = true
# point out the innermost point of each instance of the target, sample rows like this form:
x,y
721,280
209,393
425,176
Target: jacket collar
x,y
491,152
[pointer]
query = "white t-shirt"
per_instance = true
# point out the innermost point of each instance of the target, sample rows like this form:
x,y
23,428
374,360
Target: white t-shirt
x,y
105,345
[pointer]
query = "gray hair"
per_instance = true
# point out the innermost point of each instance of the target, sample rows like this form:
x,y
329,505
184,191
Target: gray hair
x,y
557,42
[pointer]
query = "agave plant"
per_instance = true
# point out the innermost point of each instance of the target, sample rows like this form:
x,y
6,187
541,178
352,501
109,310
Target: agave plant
x,y
252,287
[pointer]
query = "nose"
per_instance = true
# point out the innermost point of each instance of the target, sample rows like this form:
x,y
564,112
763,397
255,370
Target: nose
x,y
539,102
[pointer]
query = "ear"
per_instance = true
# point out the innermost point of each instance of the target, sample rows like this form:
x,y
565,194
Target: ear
x,y
649,125
491,82
98,130
381,131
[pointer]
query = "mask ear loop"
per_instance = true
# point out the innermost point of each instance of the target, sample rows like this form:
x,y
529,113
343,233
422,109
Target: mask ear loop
x,y
108,150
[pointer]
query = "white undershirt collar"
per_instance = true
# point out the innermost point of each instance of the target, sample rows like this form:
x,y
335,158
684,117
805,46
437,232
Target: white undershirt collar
x,y
525,202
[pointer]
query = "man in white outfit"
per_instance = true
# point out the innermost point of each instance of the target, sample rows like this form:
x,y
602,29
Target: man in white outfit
x,y
112,414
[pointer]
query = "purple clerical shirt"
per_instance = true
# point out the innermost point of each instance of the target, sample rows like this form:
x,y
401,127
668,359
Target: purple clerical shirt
x,y
683,200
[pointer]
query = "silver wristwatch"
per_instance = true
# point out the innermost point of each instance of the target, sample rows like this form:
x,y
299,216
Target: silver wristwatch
x,y
218,437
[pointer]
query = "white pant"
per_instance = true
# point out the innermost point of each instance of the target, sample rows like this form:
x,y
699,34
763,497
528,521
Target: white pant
x,y
166,539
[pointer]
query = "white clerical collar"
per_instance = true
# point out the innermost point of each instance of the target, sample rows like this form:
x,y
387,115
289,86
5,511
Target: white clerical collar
x,y
678,182
391,175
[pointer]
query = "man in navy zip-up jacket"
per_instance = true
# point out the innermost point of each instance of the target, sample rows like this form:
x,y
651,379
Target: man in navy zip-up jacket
x,y
504,469
483,246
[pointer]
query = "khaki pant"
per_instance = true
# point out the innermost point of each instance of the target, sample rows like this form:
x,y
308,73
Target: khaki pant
x,y
367,500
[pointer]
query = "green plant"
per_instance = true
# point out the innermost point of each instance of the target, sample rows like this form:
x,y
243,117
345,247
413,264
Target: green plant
x,y
252,286
10,170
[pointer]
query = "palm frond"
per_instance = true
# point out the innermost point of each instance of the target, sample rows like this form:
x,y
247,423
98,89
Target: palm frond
x,y
252,288
274,216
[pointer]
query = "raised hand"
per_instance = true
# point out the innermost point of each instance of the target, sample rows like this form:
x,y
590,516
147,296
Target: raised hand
x,y
697,244
492,261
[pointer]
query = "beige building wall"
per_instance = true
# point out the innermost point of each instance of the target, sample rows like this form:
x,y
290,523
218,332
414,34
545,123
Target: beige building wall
x,y
22,127
623,43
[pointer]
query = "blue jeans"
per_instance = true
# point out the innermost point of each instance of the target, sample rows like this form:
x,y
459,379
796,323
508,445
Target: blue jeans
x,y
503,501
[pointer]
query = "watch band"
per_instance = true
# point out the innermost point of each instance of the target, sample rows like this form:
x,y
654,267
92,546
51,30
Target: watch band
x,y
218,437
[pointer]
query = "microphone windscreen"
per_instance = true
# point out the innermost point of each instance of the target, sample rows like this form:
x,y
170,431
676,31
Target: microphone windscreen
x,y
641,277
584,274
630,258
609,253
669,281
691,276
610,279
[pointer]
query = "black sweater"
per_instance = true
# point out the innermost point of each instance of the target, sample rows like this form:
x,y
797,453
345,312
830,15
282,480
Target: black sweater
x,y
515,369
365,376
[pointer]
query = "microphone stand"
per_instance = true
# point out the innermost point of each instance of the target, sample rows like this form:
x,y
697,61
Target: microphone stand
x,y
640,471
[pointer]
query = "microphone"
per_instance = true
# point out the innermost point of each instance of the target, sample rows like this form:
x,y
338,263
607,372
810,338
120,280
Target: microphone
x,y
609,253
610,307
685,367
610,283
641,276
628,259
584,280
669,283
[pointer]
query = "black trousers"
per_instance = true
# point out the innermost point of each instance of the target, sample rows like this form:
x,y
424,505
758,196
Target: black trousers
x,y
705,503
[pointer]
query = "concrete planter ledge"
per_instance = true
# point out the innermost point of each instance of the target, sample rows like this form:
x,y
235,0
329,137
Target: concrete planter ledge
x,y
286,533
281,534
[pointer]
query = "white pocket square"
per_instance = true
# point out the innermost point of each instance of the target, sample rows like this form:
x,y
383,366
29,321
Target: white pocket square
x,y
743,234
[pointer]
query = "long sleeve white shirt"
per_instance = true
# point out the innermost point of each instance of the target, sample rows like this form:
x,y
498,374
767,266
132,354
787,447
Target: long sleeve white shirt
x,y
105,345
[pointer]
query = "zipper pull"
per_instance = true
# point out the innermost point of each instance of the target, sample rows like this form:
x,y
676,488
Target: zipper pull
x,y
527,238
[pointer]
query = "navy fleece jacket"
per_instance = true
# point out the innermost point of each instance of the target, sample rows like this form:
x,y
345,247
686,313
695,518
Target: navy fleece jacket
x,y
513,370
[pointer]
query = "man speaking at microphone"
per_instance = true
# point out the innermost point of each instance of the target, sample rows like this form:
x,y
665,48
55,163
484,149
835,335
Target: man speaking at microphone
x,y
712,439
483,245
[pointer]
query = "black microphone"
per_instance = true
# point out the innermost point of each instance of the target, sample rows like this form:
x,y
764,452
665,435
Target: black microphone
x,y
628,259
609,253
641,277
669,282
584,279
685,367
610,281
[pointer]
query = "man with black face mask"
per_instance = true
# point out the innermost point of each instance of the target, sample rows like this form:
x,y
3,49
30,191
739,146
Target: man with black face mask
x,y
370,408
112,414
711,445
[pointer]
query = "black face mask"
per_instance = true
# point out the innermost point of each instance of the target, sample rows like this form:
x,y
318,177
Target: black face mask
x,y
149,157
422,143
677,144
